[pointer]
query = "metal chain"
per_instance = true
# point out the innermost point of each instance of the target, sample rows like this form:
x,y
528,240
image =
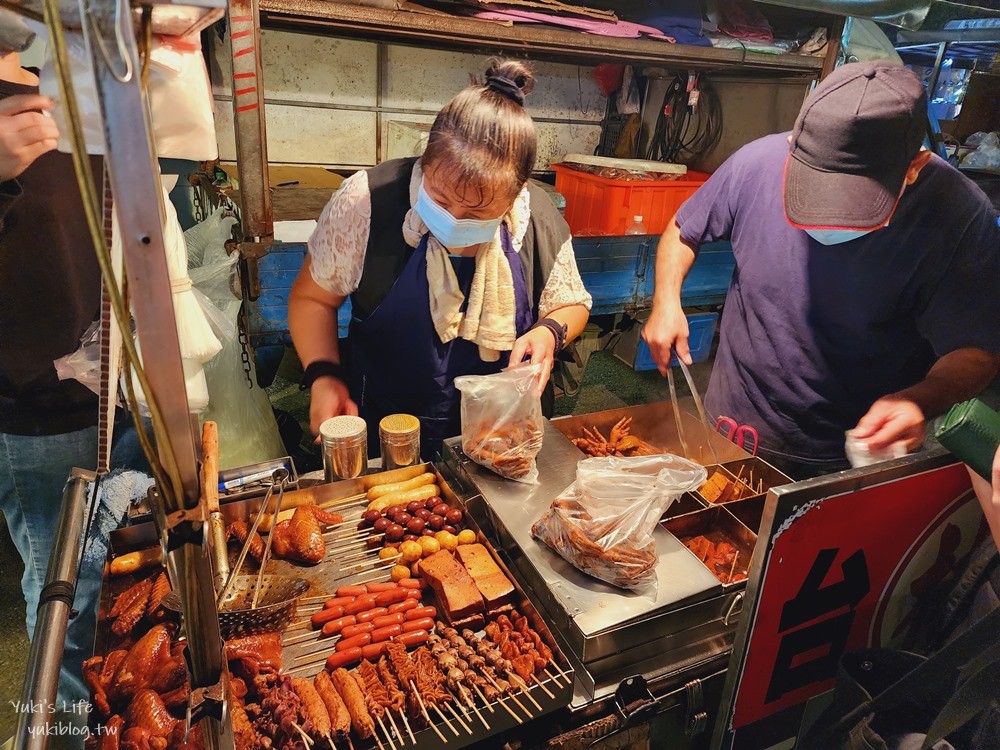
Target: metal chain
x,y
245,350
199,204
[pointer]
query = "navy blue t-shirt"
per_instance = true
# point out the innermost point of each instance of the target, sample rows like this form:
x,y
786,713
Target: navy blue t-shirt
x,y
812,335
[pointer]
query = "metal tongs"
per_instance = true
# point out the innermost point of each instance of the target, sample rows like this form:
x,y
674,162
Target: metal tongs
x,y
698,404
279,479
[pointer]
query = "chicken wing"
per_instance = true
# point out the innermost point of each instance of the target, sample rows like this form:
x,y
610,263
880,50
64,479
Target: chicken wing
x,y
136,669
300,538
130,615
148,711
161,587
239,531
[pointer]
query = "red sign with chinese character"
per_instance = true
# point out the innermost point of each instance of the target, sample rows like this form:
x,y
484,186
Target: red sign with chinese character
x,y
842,574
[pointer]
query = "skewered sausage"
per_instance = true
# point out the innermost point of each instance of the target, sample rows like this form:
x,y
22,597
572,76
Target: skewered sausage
x,y
371,614
384,621
352,630
381,490
425,623
340,719
421,612
324,616
402,498
313,706
335,626
343,658
338,601
354,699
404,606
357,641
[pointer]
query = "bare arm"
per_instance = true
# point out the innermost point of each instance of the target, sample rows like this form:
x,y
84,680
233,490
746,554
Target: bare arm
x,y
902,416
312,320
667,327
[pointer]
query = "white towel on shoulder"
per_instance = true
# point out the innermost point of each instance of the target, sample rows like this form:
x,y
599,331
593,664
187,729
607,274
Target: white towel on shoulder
x,y
490,316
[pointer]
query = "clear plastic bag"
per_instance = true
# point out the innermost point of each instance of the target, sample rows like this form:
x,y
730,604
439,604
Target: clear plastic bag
x,y
502,421
248,432
603,523
84,364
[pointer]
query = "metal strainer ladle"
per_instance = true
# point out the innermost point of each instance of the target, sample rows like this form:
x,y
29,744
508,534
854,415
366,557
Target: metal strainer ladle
x,y
250,603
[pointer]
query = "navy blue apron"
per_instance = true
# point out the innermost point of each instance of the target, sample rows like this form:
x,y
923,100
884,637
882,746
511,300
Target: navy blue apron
x,y
399,364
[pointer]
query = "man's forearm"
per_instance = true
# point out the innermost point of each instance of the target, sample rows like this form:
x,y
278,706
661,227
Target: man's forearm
x,y
674,259
955,377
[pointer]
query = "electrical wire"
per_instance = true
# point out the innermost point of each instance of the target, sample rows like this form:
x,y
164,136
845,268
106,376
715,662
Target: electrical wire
x,y
166,474
683,133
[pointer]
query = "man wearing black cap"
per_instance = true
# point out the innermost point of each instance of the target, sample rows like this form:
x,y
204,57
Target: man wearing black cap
x,y
867,285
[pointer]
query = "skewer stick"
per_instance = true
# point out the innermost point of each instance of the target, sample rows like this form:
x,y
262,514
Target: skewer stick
x,y
298,624
528,695
475,708
329,739
458,718
552,677
445,720
325,648
305,667
395,729
303,637
509,710
461,706
349,743
314,599
426,716
378,740
358,555
406,723
305,737
388,736
482,697
559,669
732,570
511,696
543,688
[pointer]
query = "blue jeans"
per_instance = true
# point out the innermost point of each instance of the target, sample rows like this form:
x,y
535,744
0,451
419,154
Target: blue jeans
x,y
33,473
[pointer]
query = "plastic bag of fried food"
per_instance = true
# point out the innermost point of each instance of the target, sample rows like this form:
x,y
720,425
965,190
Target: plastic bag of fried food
x,y
603,523
502,421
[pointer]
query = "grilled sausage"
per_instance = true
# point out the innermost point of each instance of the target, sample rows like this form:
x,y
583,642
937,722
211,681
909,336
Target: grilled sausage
x,y
324,616
371,614
313,706
380,490
340,719
404,606
343,658
354,699
402,498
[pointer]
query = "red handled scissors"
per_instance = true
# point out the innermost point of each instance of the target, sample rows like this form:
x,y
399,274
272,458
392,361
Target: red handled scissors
x,y
738,433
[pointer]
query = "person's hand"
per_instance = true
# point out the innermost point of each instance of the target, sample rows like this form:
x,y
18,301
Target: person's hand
x,y
989,497
665,332
25,133
329,397
892,420
539,344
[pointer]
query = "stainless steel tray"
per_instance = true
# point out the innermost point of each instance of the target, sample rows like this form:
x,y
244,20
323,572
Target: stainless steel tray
x,y
609,633
343,567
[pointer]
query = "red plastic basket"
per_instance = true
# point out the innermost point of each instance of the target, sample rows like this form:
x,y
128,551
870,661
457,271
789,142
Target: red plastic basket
x,y
600,206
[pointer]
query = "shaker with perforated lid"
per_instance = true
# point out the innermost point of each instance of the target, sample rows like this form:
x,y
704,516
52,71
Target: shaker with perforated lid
x,y
399,435
345,447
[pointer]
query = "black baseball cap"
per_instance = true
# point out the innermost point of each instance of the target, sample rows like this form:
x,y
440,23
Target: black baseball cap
x,y
852,144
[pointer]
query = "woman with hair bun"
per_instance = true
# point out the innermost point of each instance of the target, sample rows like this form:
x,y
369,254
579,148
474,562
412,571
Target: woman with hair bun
x,y
454,263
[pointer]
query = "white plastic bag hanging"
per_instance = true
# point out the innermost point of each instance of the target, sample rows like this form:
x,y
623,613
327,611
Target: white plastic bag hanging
x,y
603,523
179,94
502,422
248,432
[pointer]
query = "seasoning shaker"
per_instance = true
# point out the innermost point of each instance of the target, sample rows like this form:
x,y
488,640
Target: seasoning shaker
x,y
345,447
399,435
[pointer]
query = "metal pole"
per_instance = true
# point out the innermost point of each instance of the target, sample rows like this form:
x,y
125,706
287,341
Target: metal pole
x,y
248,119
936,71
135,180
55,605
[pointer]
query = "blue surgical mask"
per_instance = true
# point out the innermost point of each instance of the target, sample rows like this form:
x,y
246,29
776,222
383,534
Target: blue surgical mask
x,y
836,236
449,231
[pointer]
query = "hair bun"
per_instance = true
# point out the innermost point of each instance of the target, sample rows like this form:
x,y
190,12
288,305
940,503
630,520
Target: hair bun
x,y
512,79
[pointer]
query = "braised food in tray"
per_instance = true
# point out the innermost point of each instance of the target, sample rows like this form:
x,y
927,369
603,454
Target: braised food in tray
x,y
721,557
621,442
